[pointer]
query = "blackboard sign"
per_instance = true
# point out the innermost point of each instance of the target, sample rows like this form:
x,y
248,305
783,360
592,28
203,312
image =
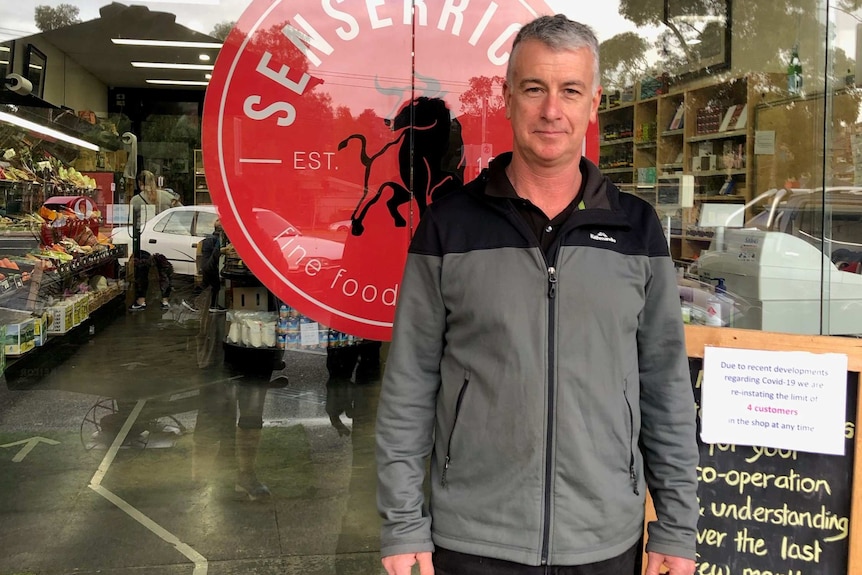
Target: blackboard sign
x,y
767,511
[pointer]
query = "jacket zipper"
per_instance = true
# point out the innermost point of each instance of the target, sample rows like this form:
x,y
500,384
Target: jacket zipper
x,y
632,474
448,459
549,441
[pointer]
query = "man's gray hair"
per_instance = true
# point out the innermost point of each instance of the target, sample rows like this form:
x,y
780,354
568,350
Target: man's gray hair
x,y
558,33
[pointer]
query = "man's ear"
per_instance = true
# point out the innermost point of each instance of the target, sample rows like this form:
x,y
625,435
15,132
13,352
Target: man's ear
x,y
507,97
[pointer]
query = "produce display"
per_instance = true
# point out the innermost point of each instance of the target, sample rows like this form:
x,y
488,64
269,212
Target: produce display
x,y
19,165
52,255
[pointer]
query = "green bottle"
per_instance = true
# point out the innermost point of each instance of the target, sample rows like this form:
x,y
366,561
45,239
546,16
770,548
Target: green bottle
x,y
794,72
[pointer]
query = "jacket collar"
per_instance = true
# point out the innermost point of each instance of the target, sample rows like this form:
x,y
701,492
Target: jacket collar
x,y
599,195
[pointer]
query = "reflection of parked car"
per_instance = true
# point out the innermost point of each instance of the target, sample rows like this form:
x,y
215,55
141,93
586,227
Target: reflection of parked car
x,y
297,248
340,226
174,233
798,262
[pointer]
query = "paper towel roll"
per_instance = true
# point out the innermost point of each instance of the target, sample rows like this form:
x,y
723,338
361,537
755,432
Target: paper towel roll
x,y
19,84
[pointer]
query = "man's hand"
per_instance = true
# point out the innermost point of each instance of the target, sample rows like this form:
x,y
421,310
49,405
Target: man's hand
x,y
401,564
675,565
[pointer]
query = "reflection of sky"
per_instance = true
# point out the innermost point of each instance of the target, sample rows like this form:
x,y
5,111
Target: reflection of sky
x,y
604,17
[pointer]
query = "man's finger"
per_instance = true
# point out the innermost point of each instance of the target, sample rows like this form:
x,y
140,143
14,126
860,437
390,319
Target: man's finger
x,y
654,562
426,565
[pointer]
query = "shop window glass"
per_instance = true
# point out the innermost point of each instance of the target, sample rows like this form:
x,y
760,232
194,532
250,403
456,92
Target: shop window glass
x,y
742,127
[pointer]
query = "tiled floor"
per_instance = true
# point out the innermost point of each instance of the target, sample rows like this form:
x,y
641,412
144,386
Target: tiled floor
x,y
136,469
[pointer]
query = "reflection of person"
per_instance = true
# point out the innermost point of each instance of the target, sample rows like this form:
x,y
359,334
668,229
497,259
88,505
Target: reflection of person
x,y
161,200
538,356
364,358
224,442
211,252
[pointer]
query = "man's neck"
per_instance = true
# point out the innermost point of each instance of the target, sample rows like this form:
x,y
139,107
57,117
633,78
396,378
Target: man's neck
x,y
551,190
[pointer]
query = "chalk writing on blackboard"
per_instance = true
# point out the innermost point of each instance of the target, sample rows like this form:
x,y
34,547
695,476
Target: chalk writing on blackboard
x,y
770,511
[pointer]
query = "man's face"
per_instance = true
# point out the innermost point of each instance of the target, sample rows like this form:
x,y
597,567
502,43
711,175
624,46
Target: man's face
x,y
550,103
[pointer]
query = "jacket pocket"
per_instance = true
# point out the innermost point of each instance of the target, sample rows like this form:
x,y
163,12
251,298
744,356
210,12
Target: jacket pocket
x,y
448,459
631,433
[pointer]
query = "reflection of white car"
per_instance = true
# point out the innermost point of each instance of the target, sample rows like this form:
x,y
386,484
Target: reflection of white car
x,y
174,233
341,226
297,248
797,278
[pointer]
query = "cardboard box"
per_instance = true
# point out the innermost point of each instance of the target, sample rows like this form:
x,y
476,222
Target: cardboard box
x,y
250,299
20,337
40,328
61,317
81,308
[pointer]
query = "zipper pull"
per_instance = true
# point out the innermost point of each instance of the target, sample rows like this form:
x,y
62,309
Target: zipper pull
x,y
634,480
445,469
552,282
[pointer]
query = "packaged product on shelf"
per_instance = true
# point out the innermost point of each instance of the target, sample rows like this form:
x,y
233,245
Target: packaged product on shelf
x,y
40,328
61,317
297,330
267,334
20,331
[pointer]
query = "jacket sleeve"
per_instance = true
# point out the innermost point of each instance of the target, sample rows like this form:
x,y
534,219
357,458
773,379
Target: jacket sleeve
x,y
406,411
668,424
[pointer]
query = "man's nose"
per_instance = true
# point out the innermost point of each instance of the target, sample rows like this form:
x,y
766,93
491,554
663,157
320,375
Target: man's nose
x,y
551,106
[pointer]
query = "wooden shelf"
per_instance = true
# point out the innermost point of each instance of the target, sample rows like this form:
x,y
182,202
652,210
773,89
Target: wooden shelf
x,y
711,173
718,136
201,190
616,141
670,151
619,106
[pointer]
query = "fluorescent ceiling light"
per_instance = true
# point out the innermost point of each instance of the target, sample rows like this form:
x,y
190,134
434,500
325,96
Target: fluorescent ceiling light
x,y
4,48
165,43
46,131
172,66
179,82
204,57
208,76
35,66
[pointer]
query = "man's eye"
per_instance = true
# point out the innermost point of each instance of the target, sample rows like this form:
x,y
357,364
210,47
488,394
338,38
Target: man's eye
x,y
533,90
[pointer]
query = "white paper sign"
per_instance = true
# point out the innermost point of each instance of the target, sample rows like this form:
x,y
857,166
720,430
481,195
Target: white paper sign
x,y
764,142
308,334
780,399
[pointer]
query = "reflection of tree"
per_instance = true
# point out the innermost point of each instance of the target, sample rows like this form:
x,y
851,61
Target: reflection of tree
x,y
483,109
763,33
52,17
481,96
222,29
623,60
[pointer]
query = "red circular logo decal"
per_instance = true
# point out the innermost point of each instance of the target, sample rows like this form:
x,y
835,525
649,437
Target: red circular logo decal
x,y
330,126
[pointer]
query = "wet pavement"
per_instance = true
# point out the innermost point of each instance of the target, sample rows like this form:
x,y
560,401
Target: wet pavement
x,y
137,450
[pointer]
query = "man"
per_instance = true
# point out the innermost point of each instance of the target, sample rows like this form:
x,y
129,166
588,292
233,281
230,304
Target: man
x,y
538,357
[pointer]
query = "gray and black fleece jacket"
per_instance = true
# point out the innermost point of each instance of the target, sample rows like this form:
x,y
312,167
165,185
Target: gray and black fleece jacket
x,y
548,394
